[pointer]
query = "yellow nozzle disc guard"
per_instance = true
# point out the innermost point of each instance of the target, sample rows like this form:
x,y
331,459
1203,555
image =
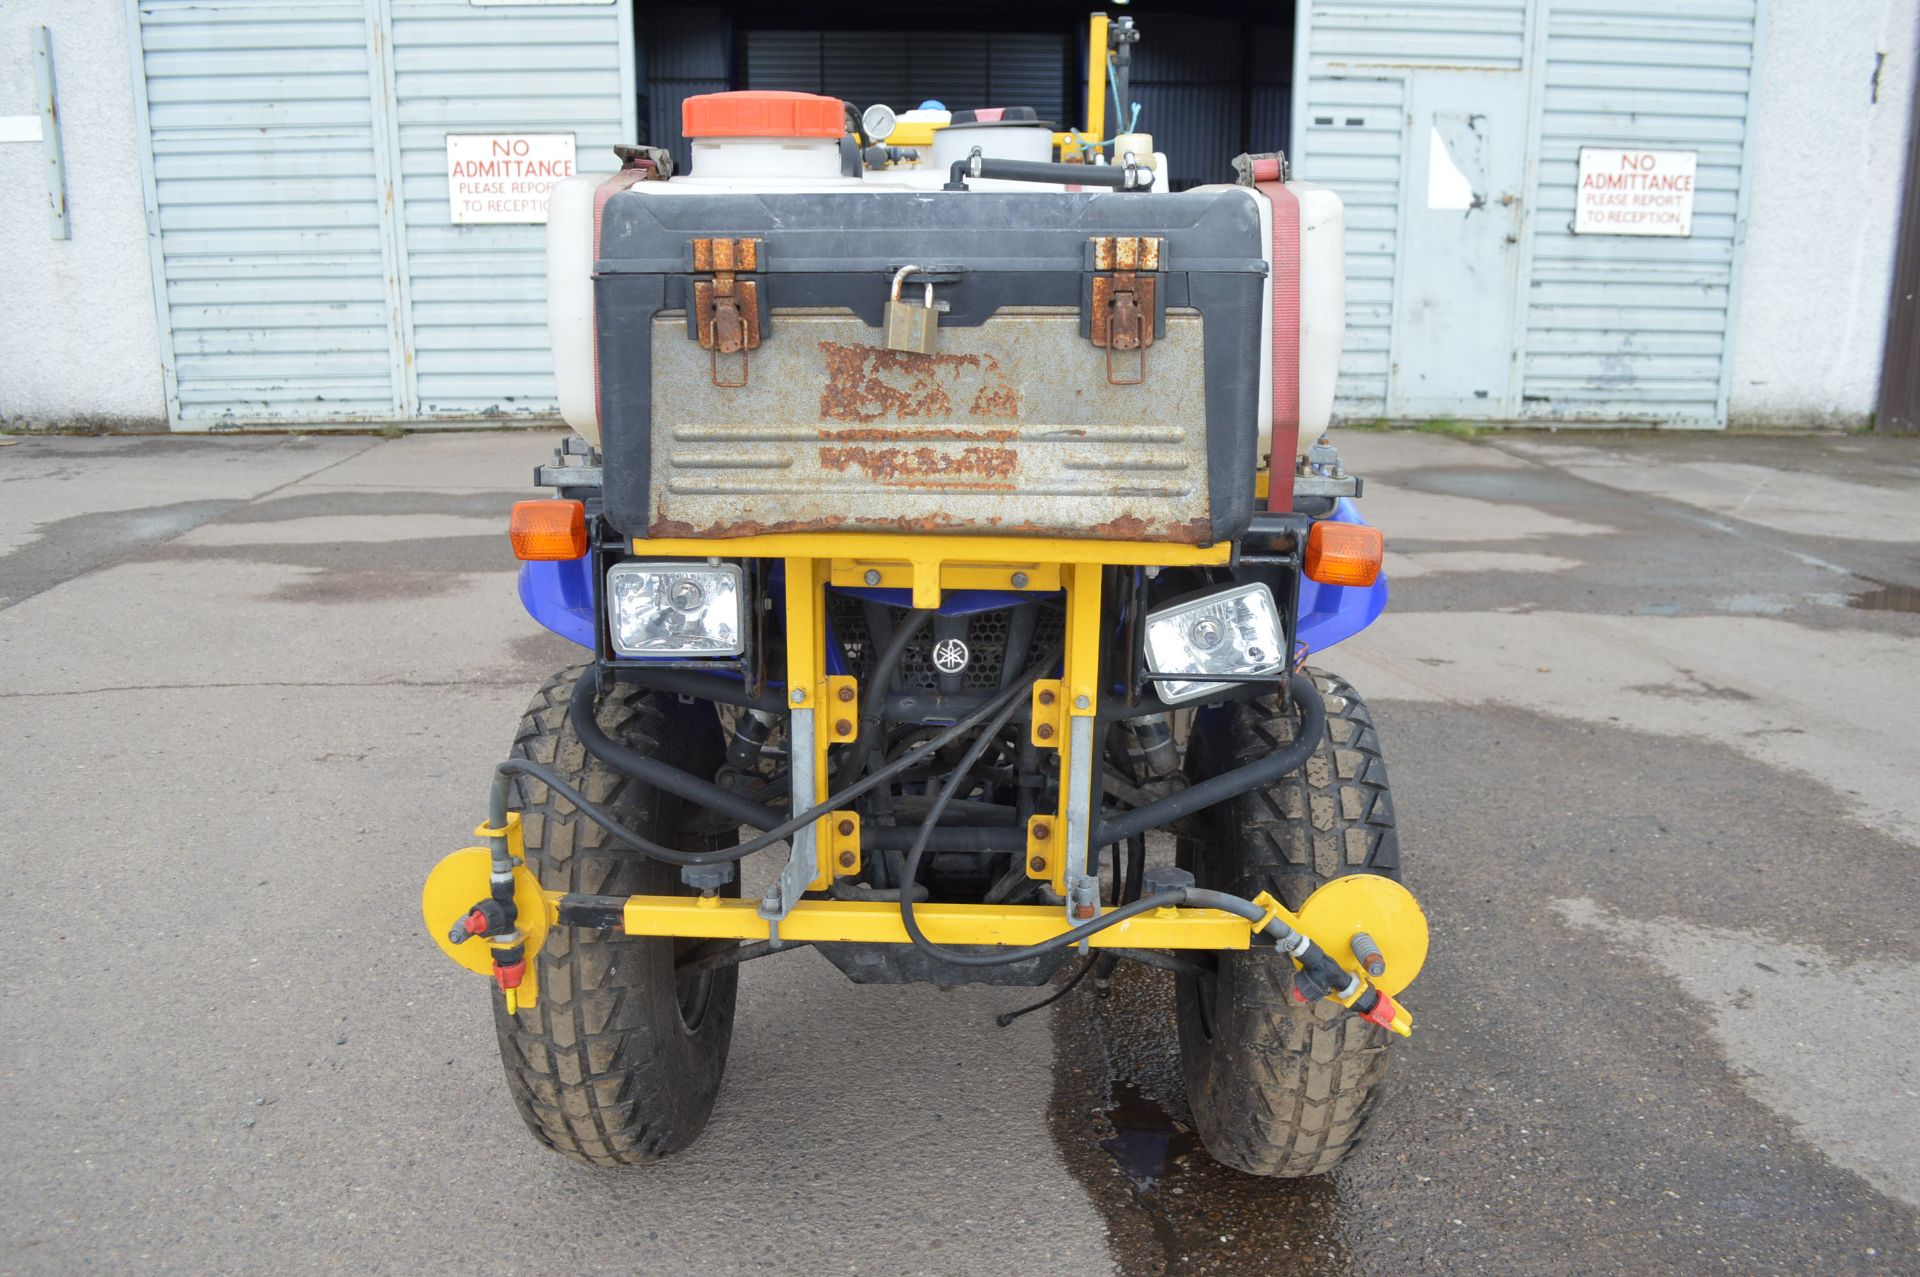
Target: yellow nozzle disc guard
x,y
461,880
1378,906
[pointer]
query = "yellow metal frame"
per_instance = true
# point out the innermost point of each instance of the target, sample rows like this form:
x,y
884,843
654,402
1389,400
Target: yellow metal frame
x,y
878,922
919,133
929,566
1096,89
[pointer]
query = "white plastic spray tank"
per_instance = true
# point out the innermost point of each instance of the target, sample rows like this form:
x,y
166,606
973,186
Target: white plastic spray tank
x,y
1323,306
762,135
750,141
790,142
993,136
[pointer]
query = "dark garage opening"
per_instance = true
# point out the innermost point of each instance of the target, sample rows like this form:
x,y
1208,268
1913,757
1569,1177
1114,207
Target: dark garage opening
x,y
1212,80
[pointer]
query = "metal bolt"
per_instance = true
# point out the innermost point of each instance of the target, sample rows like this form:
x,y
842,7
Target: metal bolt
x,y
1081,702
1369,954
846,829
873,576
846,693
1041,831
799,696
843,727
1044,731
1083,912
846,860
1019,580
1046,698
1038,864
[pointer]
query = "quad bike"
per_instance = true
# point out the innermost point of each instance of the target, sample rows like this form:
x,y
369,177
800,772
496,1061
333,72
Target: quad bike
x,y
932,530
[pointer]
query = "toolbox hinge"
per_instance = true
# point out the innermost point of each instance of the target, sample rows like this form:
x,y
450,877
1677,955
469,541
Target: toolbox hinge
x,y
1124,302
726,308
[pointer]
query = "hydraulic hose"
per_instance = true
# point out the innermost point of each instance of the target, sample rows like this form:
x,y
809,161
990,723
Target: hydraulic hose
x,y
1312,724
874,708
661,775
497,797
1217,789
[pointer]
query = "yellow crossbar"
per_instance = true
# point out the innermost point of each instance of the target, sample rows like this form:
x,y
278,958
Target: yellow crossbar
x,y
878,922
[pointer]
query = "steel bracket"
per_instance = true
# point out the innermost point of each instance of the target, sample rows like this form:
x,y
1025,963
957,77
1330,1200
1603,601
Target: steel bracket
x,y
1125,308
726,308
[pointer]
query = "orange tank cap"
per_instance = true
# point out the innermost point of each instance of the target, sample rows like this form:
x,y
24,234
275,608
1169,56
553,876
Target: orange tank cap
x,y
762,113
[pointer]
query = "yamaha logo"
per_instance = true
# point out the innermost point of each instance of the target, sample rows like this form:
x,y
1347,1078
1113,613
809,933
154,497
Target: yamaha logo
x,y
950,656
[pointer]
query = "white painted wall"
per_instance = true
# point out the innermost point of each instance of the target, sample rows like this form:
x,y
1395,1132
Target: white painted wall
x,y
77,331
1823,219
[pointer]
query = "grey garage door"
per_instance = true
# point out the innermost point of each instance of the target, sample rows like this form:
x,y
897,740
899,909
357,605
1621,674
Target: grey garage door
x,y
305,263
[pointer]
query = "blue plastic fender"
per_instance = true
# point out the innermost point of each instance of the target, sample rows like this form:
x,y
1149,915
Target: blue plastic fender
x,y
1330,613
559,595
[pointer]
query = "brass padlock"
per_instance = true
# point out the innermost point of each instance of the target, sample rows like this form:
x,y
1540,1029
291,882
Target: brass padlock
x,y
911,328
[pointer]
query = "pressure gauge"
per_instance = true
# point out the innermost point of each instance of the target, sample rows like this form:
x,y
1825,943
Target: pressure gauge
x,y
879,122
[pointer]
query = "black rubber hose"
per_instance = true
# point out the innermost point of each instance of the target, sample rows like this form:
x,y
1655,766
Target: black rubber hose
x,y
705,687
979,839
1002,958
1114,175
1217,789
1313,716
659,774
879,680
1006,1019
1136,876
497,797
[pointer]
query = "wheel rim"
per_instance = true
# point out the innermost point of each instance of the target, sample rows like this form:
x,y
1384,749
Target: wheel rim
x,y
1205,992
692,990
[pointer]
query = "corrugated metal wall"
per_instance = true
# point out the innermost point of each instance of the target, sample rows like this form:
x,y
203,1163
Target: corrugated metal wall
x,y
265,204
1637,327
1349,137
478,293
1351,130
1209,88
306,265
1605,327
687,54
963,69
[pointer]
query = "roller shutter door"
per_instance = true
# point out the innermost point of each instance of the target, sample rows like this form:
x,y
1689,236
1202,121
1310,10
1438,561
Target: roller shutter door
x,y
1638,328
1600,327
963,69
265,199
306,268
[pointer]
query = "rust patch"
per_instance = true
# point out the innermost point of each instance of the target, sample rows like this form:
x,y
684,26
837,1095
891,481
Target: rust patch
x,y
665,525
868,383
996,399
1125,528
907,434
893,465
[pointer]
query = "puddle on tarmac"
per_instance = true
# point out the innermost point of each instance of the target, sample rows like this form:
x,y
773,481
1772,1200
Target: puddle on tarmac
x,y
1888,598
1120,1119
1146,1140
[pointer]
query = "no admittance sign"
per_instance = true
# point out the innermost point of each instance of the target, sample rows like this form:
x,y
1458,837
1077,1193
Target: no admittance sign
x,y
505,177
1634,192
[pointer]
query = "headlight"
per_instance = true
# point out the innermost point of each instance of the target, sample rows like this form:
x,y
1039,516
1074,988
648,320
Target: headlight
x,y
1236,631
674,609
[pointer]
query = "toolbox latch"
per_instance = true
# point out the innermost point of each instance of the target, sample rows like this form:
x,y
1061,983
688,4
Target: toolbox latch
x,y
726,308
1123,303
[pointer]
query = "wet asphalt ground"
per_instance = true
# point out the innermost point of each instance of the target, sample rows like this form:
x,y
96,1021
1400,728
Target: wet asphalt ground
x,y
1650,706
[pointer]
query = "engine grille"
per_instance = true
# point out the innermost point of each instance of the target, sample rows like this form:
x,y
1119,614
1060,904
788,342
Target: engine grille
x,y
987,636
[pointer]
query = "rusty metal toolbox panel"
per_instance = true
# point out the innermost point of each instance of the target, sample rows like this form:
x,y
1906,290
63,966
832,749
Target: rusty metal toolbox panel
x,y
1016,423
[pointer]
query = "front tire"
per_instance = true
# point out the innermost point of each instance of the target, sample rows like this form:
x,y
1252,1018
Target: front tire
x,y
1279,1088
621,1061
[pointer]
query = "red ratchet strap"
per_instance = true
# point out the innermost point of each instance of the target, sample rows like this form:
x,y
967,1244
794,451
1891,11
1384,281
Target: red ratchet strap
x,y
635,171
1286,328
